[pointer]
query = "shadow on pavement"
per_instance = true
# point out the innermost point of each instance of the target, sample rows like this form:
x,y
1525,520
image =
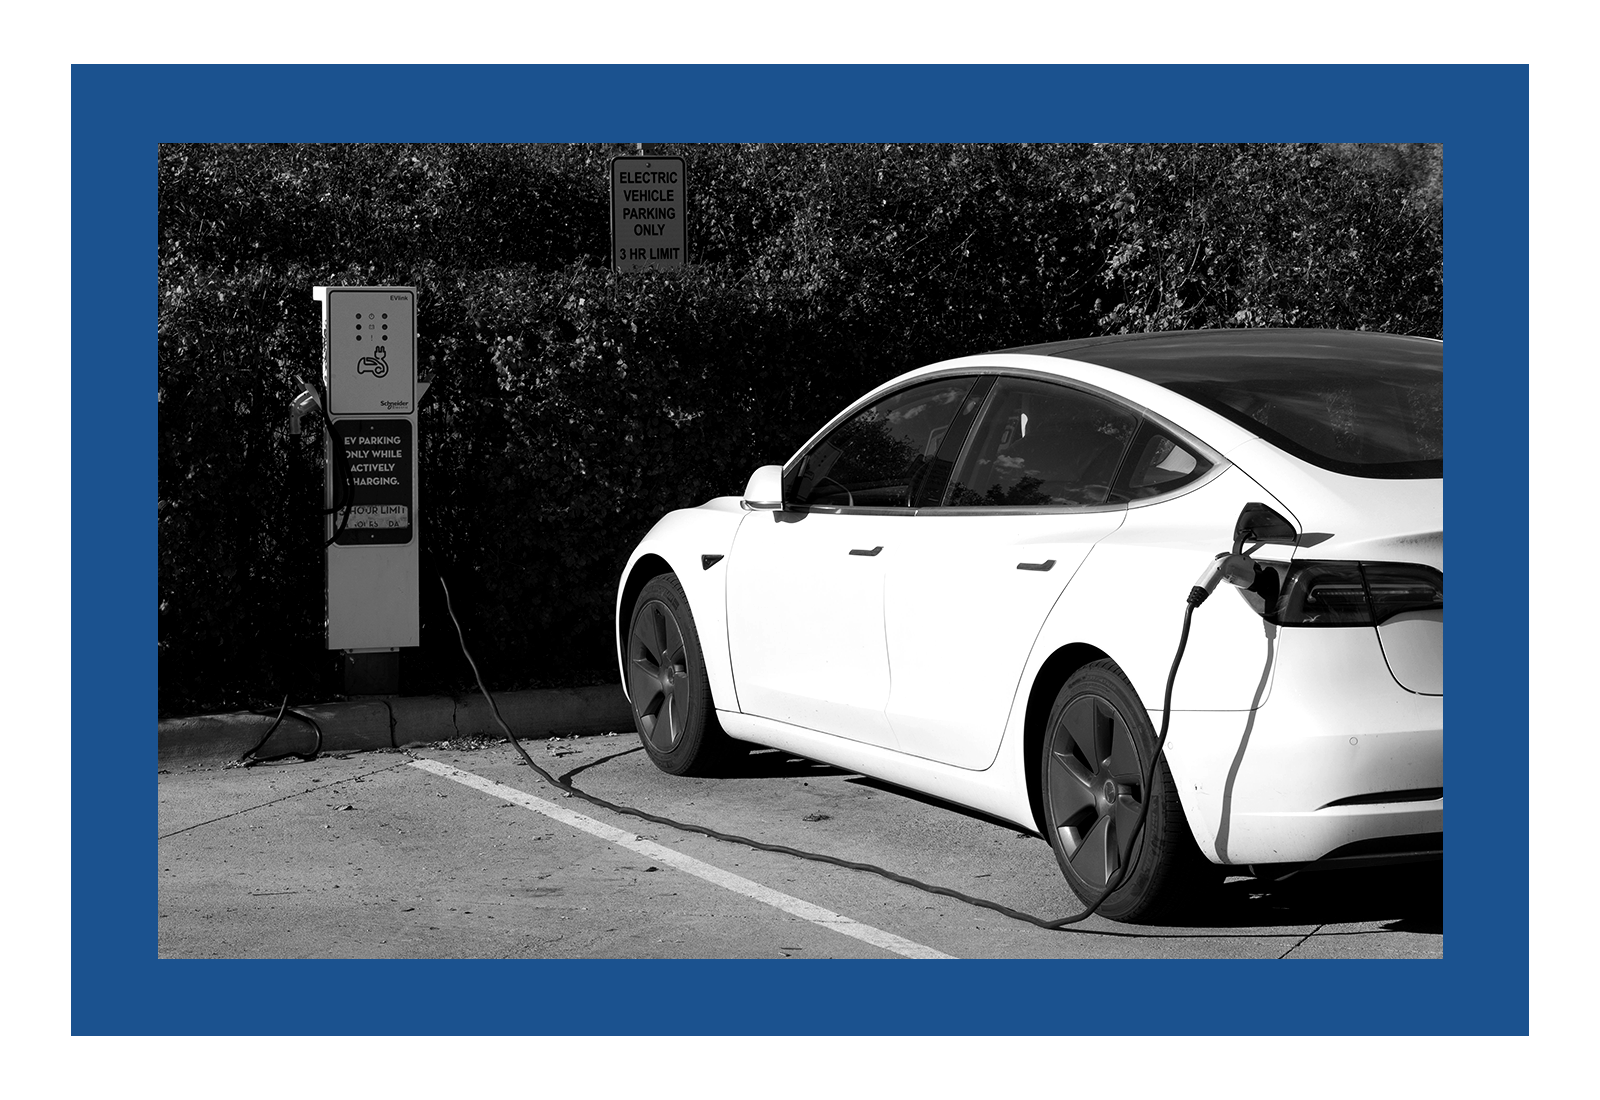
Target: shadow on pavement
x,y
775,764
1400,898
938,803
1407,897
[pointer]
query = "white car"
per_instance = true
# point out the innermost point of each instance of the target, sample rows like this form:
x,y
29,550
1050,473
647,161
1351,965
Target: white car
x,y
971,583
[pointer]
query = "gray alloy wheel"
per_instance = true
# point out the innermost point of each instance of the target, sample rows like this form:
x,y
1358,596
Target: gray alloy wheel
x,y
672,707
1097,746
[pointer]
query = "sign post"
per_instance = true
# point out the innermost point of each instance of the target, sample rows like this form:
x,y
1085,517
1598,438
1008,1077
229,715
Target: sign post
x,y
647,224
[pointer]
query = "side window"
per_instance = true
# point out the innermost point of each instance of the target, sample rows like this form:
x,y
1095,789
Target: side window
x,y
1042,445
1157,463
883,454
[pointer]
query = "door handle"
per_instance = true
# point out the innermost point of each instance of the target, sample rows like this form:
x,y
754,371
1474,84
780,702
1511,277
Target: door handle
x,y
867,553
1037,566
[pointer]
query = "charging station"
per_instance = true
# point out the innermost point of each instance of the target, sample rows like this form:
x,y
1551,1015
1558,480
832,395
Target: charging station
x,y
369,373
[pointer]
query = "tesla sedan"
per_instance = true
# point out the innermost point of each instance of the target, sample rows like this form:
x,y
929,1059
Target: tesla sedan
x,y
970,583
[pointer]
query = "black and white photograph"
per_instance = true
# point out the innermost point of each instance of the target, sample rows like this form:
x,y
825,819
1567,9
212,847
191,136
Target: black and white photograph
x,y
800,551
970,491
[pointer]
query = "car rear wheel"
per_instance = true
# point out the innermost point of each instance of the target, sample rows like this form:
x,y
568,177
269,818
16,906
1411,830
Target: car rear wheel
x,y
1097,748
672,708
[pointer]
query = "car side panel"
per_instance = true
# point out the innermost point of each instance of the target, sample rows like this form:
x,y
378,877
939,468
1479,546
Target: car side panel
x,y
1128,599
1130,609
962,616
805,619
681,538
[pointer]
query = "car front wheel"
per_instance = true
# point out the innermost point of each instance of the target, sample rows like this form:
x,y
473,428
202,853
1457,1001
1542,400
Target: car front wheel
x,y
667,686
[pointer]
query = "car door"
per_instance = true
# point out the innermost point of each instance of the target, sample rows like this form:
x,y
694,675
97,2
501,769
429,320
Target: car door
x,y
970,589
805,583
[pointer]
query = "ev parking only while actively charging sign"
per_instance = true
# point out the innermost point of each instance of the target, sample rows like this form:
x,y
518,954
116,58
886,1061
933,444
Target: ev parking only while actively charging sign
x,y
647,226
380,459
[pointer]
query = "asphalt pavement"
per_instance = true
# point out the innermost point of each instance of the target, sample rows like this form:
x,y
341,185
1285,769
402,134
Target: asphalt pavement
x,y
456,849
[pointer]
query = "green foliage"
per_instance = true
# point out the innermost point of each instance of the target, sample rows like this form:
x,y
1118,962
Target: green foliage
x,y
572,407
1201,236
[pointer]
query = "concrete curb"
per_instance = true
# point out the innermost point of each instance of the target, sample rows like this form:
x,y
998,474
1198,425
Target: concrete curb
x,y
394,722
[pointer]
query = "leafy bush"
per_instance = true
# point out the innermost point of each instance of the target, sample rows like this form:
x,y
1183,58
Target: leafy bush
x,y
571,407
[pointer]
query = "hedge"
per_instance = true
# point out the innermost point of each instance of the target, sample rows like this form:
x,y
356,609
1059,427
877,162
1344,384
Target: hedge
x,y
571,407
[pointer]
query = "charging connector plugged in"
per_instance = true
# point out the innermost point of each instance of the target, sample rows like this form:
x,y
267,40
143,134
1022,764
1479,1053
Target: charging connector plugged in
x,y
1237,569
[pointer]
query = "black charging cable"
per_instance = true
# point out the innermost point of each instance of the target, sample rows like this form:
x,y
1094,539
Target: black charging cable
x,y
343,492
1203,589
1232,567
1150,773
245,758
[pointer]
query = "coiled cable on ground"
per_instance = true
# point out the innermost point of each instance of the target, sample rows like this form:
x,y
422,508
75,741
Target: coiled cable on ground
x,y
283,709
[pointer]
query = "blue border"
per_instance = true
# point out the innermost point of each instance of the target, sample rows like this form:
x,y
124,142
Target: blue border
x,y
121,113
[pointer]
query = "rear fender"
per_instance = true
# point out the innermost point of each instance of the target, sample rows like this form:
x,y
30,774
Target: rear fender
x,y
1127,601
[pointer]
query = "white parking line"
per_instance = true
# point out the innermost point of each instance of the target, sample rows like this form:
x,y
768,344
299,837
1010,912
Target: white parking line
x,y
826,918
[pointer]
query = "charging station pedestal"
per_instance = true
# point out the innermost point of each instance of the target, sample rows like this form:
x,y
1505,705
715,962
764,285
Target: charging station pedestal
x,y
369,372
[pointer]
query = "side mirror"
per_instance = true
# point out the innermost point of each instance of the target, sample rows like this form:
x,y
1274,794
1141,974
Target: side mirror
x,y
764,490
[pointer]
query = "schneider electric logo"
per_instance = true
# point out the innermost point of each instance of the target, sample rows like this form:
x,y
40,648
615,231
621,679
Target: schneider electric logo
x,y
394,404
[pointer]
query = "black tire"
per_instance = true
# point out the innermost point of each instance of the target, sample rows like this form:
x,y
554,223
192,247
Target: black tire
x,y
1097,748
672,708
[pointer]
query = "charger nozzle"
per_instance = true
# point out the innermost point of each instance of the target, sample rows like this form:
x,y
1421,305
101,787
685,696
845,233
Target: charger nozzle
x,y
307,403
1236,569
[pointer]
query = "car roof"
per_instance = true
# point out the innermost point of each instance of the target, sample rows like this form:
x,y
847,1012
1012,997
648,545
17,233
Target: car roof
x,y
1232,354
1154,369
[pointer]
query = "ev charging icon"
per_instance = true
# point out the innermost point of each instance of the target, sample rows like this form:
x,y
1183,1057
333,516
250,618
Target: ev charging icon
x,y
376,364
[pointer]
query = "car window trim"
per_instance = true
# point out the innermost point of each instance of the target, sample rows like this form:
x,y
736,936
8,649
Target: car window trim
x,y
851,510
956,444
1023,510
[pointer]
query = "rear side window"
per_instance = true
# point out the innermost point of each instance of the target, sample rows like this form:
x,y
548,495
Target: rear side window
x,y
1041,445
1378,420
882,456
1157,463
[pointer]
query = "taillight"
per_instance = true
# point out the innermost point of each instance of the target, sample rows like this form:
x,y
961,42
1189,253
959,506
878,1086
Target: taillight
x,y
1346,593
1394,588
